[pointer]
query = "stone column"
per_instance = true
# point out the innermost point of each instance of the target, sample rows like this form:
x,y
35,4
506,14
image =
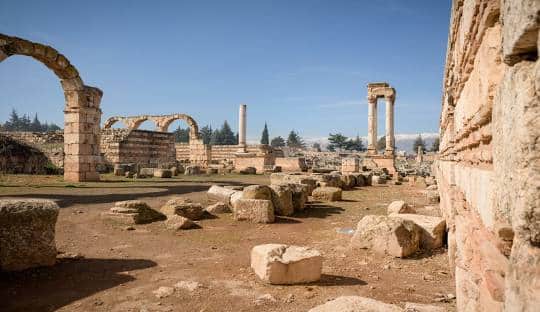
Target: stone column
x,y
372,126
389,126
242,128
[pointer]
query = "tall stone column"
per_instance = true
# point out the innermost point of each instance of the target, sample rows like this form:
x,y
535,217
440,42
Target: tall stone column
x,y
372,126
389,126
242,128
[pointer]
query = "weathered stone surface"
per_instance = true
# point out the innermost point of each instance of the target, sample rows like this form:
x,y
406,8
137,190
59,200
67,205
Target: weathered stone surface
x,y
433,229
390,235
221,194
433,197
327,180
192,170
282,199
521,21
399,206
355,304
327,194
284,178
299,195
348,181
218,208
253,210
377,179
419,307
257,192
176,222
283,264
182,207
162,173
249,170
27,232
133,212
147,172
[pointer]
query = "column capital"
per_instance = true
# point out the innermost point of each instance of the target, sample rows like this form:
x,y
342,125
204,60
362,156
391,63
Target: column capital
x,y
372,99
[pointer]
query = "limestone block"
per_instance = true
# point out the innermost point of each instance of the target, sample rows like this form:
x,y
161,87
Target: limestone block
x,y
257,192
248,170
27,232
119,172
132,212
283,264
162,173
433,229
284,178
520,21
299,195
399,206
327,194
348,181
433,197
182,207
218,208
355,304
393,236
147,172
419,307
221,194
192,170
253,210
378,179
282,199
329,180
360,179
176,222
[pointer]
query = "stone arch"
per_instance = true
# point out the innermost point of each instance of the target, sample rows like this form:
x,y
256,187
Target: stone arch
x,y
110,122
82,115
163,123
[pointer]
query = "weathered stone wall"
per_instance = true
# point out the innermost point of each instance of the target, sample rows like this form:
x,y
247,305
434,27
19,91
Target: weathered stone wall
x,y
291,164
227,152
146,148
17,156
51,144
489,167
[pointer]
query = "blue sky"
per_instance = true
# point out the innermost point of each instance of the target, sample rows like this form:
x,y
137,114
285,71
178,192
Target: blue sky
x,y
300,65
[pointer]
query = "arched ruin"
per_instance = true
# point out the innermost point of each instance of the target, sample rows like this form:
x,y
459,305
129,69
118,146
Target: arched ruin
x,y
375,91
82,115
162,122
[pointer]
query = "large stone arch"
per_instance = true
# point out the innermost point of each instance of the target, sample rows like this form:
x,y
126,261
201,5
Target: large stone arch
x,y
163,123
82,114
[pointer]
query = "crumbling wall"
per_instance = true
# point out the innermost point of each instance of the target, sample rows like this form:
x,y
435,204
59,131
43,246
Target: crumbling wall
x,y
227,152
18,157
489,167
51,144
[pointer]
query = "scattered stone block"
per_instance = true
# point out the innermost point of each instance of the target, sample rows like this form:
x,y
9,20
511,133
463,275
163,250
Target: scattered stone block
x,y
147,172
433,187
248,170
174,171
253,210
183,207
283,264
119,172
400,206
257,192
218,208
162,173
133,212
27,231
378,179
419,307
355,304
390,235
327,194
176,222
220,193
212,171
433,197
299,195
282,199
192,170
433,229
348,181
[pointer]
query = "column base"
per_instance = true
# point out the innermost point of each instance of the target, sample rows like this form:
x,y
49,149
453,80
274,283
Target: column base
x,y
389,153
372,151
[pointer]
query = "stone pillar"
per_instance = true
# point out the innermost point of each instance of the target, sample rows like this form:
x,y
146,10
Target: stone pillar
x,y
82,119
242,128
420,155
372,126
389,126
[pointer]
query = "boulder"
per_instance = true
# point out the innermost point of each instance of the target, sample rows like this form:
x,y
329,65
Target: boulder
x,y
299,196
348,181
399,206
390,235
192,170
27,231
327,194
133,212
218,208
378,179
220,193
360,179
253,210
355,304
162,173
282,199
367,178
176,222
183,207
248,170
433,229
433,197
146,172
283,264
257,192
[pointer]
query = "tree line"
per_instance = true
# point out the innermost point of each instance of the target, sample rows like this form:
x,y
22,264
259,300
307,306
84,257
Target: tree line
x,y
24,123
221,136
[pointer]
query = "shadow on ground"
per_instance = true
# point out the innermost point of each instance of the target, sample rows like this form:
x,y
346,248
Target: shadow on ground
x,y
318,210
50,288
336,280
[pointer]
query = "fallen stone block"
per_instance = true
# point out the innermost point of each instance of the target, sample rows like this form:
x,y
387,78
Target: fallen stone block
x,y
327,180
433,229
348,181
162,173
299,196
176,222
378,179
367,178
133,212
257,192
27,232
182,207
119,172
220,193
192,170
283,264
284,178
147,172
249,170
419,307
355,304
327,194
253,210
218,208
282,199
433,197
399,206
390,235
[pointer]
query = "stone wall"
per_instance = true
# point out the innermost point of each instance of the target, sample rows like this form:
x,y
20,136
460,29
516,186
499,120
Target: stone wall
x,y
51,144
489,167
16,156
147,148
227,152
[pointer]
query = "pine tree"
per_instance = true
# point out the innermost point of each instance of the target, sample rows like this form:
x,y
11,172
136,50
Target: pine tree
x,y
294,140
277,142
435,145
316,146
216,138
337,141
181,135
381,143
36,125
355,144
419,142
265,137
206,134
228,137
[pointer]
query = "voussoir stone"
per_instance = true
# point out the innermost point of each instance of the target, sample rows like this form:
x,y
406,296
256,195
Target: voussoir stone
x,y
399,206
433,229
327,194
27,232
183,207
257,192
390,235
282,199
355,304
283,264
253,210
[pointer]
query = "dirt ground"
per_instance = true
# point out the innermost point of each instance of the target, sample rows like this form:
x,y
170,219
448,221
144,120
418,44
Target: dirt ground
x,y
119,269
